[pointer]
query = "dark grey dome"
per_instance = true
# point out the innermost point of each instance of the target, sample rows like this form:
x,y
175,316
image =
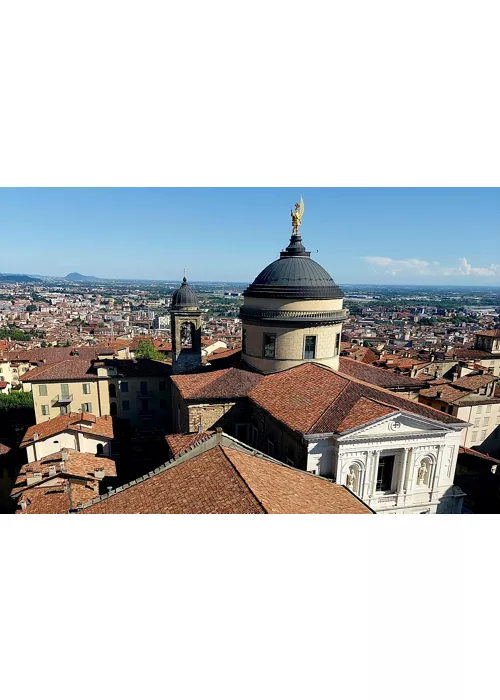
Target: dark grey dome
x,y
184,297
294,275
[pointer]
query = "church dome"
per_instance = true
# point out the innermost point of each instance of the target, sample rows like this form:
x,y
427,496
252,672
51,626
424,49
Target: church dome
x,y
184,297
295,276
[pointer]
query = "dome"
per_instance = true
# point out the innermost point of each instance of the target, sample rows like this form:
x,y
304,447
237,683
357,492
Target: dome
x,y
184,297
294,275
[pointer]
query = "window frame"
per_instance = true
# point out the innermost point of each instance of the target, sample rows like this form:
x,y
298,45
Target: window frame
x,y
264,344
304,348
381,481
40,392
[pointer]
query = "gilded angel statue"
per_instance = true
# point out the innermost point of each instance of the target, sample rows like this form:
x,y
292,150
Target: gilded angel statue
x,y
297,215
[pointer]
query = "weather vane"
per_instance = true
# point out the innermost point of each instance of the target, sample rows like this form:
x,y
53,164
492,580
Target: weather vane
x,y
297,215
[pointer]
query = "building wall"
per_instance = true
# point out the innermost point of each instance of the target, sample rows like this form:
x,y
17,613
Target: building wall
x,y
98,397
484,433
290,338
71,439
331,458
189,415
290,346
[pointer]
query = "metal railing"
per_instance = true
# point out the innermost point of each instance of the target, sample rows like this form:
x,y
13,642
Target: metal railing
x,y
67,398
334,315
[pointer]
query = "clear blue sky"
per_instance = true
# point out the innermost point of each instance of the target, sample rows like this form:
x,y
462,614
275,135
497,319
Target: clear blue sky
x,y
363,235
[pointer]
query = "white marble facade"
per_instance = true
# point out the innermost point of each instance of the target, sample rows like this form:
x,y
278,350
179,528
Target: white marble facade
x,y
400,464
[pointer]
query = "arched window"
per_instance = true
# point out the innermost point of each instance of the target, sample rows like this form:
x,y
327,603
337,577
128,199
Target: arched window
x,y
112,408
187,335
100,449
112,391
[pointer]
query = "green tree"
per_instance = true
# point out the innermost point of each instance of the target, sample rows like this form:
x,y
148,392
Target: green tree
x,y
147,351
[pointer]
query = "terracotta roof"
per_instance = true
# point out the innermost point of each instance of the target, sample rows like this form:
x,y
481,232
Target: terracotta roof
x,y
495,333
78,464
55,497
73,368
101,426
224,383
474,381
444,392
220,477
472,354
379,377
312,399
475,453
4,449
179,442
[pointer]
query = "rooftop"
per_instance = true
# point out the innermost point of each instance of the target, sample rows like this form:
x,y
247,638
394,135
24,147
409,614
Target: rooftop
x,y
83,422
313,399
220,475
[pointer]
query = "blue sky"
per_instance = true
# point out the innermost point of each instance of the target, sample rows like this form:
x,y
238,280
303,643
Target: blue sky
x,y
363,235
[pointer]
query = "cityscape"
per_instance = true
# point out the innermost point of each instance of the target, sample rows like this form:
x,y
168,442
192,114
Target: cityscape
x,y
286,394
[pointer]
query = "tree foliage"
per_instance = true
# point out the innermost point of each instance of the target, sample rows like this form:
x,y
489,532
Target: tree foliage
x,y
147,351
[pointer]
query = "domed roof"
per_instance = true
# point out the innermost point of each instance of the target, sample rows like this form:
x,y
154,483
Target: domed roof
x,y
184,297
294,275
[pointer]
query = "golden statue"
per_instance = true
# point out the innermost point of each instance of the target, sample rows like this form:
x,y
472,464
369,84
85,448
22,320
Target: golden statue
x,y
297,216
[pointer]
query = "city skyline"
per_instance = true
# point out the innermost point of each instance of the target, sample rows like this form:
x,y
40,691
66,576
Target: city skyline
x,y
417,236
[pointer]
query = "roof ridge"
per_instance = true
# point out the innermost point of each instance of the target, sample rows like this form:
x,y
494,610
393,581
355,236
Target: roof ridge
x,y
339,395
235,468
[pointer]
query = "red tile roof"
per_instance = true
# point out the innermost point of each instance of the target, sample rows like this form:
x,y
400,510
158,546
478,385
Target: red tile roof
x,y
312,399
87,423
179,442
379,377
220,478
220,384
80,464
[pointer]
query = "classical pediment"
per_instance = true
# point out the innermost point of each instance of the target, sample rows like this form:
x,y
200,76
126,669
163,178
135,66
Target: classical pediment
x,y
398,424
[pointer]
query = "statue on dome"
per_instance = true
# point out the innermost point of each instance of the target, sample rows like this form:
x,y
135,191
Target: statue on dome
x,y
297,215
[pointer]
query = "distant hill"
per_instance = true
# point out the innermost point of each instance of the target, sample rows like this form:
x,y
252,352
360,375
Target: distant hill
x,y
17,278
77,277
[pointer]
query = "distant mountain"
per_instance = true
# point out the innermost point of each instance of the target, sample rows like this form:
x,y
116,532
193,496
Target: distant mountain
x,y
77,277
17,278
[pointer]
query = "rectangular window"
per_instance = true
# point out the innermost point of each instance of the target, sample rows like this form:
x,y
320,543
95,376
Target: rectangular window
x,y
241,432
337,344
488,408
254,436
144,387
270,448
474,436
476,423
86,388
144,406
42,390
244,341
63,410
45,410
269,345
385,472
124,387
163,385
310,347
483,435
126,405
486,421
64,389
87,407
479,409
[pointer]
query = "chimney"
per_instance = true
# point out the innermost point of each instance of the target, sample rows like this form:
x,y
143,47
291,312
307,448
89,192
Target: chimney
x,y
52,470
35,478
439,394
99,473
35,437
200,428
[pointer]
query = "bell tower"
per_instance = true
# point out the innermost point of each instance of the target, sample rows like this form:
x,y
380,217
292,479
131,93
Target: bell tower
x,y
185,324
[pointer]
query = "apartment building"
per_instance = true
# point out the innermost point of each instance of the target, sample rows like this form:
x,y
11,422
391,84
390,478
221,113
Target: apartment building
x,y
136,391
